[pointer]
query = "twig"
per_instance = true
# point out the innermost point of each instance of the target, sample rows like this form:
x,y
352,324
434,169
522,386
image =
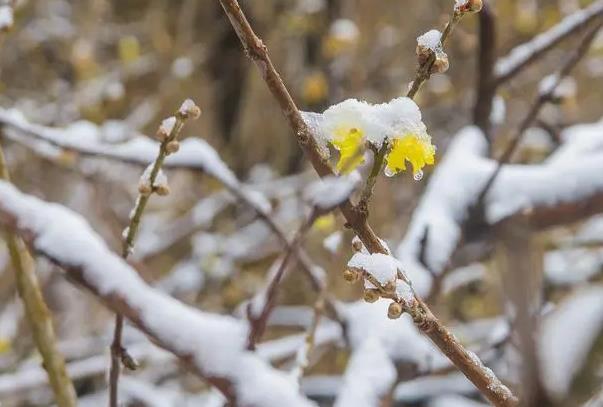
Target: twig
x,y
540,101
303,354
259,322
38,314
523,55
169,144
371,180
470,365
425,70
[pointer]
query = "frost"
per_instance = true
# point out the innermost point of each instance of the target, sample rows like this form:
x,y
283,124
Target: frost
x,y
430,40
382,267
329,192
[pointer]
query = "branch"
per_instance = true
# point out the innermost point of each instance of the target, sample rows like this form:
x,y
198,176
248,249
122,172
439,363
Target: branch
x,y
148,185
38,314
542,99
523,55
486,382
485,70
212,346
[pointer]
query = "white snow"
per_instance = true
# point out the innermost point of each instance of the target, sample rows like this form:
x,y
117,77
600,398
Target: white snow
x,y
87,138
6,17
369,376
381,266
329,192
376,122
566,176
182,67
214,344
167,125
564,88
187,107
566,337
333,242
430,40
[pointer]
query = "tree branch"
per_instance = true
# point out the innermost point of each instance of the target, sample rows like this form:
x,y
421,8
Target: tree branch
x,y
484,380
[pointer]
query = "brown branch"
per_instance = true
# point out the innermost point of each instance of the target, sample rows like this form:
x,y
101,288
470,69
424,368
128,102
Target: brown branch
x,y
259,322
169,144
525,54
541,100
482,378
485,70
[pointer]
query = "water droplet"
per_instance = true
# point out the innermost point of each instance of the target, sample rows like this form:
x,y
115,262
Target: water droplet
x,y
389,172
418,176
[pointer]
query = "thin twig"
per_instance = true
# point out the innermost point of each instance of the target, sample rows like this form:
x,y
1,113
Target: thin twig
x,y
425,70
259,322
118,352
540,101
470,365
303,354
38,314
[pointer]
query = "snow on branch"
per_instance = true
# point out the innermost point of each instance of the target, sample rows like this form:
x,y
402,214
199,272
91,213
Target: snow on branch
x,y
524,54
211,345
560,189
88,139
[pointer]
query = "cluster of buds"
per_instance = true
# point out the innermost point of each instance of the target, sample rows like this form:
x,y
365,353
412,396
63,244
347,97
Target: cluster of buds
x,y
468,6
168,130
429,46
381,278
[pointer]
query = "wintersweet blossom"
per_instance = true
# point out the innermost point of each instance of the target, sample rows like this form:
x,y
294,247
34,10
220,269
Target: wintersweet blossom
x,y
352,125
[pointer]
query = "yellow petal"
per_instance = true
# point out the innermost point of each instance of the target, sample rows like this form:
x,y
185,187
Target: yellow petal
x,y
349,143
418,151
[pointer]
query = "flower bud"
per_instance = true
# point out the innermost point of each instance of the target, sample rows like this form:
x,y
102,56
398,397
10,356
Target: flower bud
x,y
394,311
423,54
468,6
189,110
371,295
351,276
390,287
172,147
356,245
440,65
144,188
162,190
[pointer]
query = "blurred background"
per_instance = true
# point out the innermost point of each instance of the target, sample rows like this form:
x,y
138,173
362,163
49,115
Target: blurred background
x,y
124,65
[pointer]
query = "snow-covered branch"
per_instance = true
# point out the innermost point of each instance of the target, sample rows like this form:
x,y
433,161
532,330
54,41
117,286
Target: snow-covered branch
x,y
213,346
559,190
526,53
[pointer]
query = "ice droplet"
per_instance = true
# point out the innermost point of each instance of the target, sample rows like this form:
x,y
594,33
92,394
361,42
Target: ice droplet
x,y
389,172
418,176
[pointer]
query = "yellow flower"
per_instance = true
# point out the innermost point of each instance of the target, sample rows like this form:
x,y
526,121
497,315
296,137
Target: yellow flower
x,y
350,143
412,148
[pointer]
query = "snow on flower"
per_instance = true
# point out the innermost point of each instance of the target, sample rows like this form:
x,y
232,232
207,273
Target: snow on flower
x,y
430,40
348,127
